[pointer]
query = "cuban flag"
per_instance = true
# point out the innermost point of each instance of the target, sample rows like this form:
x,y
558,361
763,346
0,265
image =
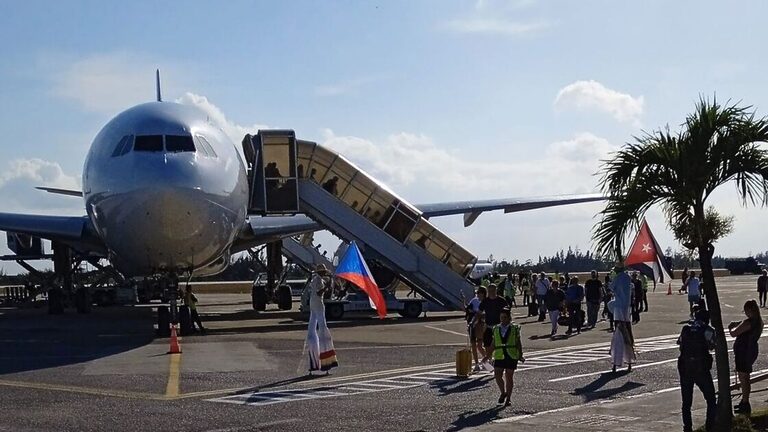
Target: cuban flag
x,y
352,267
645,256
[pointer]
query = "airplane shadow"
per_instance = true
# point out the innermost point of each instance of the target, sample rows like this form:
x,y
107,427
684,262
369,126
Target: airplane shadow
x,y
32,339
475,418
299,322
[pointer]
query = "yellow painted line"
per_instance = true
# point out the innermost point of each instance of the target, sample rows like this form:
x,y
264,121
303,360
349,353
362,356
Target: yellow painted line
x,y
172,389
83,390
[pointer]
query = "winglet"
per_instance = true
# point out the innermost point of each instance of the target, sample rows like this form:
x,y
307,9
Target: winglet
x,y
157,84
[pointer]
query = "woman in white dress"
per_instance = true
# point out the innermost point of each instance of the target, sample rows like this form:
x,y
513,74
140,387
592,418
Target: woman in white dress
x,y
623,342
322,356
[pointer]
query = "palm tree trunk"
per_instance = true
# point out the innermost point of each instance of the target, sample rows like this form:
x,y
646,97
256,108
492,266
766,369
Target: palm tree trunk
x,y
724,407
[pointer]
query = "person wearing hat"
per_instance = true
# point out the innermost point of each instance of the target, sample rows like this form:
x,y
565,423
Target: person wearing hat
x,y
503,344
322,355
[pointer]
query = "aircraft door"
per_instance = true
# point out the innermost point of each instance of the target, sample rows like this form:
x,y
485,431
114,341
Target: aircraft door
x,y
275,180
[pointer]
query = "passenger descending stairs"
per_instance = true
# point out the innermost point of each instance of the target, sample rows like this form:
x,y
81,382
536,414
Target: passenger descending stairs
x,y
290,176
302,252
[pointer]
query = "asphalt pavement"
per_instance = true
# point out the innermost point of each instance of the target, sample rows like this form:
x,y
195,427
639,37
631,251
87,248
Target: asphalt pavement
x,y
106,371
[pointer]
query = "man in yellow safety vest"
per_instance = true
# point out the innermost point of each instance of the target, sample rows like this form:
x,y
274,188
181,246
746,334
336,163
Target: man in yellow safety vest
x,y
502,342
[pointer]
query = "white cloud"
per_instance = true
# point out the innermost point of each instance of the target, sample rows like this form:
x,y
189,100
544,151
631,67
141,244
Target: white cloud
x,y
235,131
21,176
495,26
112,82
585,95
345,87
418,166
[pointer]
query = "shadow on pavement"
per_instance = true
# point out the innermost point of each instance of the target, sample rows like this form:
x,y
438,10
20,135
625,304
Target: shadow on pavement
x,y
475,418
591,391
446,387
31,339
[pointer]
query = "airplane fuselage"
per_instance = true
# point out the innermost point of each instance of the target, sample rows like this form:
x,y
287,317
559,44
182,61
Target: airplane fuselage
x,y
166,190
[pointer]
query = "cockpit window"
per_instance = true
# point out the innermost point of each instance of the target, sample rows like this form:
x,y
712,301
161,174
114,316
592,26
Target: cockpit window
x,y
205,146
179,143
148,143
123,146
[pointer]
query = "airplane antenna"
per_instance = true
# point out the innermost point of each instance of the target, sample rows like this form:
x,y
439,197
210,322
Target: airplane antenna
x,y
157,83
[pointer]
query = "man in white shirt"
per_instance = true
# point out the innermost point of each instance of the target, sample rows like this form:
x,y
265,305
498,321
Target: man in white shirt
x,y
542,286
694,291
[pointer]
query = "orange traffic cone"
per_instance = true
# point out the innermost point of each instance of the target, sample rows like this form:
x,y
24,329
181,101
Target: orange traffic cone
x,y
175,347
669,289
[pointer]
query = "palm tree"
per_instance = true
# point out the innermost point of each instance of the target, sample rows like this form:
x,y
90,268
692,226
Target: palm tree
x,y
717,144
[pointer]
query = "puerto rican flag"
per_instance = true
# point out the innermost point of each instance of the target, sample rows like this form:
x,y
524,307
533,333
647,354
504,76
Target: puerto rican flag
x,y
352,267
645,256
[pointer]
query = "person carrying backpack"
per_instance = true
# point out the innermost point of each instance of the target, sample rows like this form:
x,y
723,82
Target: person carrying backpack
x,y
694,365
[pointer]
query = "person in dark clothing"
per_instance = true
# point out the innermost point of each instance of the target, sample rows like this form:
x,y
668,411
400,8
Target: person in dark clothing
x,y
695,367
593,290
554,300
637,304
745,350
573,297
684,278
762,287
492,306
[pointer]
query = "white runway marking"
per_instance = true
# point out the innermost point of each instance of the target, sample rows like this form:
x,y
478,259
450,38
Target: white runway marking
x,y
442,374
446,331
727,305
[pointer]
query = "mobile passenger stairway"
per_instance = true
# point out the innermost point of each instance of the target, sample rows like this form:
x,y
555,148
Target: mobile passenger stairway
x,y
302,252
290,176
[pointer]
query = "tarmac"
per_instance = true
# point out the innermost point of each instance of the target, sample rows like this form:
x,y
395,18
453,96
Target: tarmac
x,y
107,371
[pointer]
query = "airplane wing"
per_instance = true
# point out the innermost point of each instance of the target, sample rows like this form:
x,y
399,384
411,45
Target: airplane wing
x,y
472,209
259,230
75,231
58,191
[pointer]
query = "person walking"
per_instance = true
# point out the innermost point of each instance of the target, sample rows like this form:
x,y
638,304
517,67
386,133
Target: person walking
x,y
684,278
191,301
554,301
745,350
574,295
622,342
593,290
503,342
525,287
762,287
542,285
476,324
694,291
637,294
694,365
492,306
644,302
322,355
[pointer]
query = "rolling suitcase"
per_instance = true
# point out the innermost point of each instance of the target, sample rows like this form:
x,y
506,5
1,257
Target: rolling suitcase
x,y
463,363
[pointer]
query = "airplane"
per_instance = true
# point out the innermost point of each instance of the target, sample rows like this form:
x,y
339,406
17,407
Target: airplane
x,y
166,192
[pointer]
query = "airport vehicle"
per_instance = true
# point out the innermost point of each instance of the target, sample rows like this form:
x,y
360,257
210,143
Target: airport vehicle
x,y
356,301
168,194
740,266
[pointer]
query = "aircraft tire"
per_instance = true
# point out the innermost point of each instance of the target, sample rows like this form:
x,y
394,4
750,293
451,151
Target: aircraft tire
x,y
259,298
82,301
284,298
411,309
163,321
185,321
55,301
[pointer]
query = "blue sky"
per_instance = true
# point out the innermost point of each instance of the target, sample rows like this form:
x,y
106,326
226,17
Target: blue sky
x,y
442,100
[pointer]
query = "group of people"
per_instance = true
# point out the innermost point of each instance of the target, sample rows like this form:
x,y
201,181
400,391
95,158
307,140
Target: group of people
x,y
562,298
